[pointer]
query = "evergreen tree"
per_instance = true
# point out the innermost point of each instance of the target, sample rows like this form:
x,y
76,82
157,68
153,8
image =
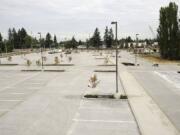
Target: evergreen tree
x,y
111,38
10,35
73,43
34,43
96,39
15,38
168,32
28,41
48,40
129,39
80,42
1,44
21,35
55,42
108,37
10,40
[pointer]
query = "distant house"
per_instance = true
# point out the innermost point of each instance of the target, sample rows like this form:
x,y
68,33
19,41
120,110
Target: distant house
x,y
155,44
134,44
81,47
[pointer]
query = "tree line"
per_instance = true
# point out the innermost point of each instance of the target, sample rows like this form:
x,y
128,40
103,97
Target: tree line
x,y
95,41
20,39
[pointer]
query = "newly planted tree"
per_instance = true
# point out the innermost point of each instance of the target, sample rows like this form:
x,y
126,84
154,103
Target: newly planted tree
x,y
44,58
61,55
28,62
106,60
69,58
9,58
38,63
93,81
56,60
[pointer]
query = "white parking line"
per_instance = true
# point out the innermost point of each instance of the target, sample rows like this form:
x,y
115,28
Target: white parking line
x,y
29,77
104,121
17,93
165,77
100,109
72,128
5,110
10,100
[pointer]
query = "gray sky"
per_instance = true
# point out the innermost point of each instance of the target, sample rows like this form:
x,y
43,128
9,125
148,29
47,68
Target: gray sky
x,y
66,18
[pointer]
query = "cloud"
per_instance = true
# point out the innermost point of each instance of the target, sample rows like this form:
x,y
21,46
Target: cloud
x,y
66,18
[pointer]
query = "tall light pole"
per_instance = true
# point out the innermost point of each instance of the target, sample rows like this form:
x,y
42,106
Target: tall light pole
x,y
116,27
136,48
1,51
41,50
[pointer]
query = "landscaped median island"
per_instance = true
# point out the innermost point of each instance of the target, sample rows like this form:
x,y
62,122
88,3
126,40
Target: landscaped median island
x,y
128,64
93,91
58,64
105,71
9,64
107,65
39,70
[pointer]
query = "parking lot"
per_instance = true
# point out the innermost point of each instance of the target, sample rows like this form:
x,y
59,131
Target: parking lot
x,y
46,103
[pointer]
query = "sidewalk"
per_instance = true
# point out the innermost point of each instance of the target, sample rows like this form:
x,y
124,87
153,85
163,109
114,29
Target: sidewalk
x,y
151,120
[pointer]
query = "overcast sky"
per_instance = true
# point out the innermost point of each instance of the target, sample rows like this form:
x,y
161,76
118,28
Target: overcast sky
x,y
66,18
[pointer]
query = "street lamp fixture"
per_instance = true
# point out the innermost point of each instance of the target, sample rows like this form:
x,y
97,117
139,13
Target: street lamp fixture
x,y
116,27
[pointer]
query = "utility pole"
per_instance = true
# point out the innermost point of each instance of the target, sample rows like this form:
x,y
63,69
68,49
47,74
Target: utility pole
x,y
137,42
1,52
116,27
31,41
6,47
41,51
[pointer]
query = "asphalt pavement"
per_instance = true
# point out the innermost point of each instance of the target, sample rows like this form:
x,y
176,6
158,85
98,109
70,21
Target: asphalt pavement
x,y
50,103
161,83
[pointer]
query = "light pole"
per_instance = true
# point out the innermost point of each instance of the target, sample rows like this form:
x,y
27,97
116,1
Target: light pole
x,y
1,51
116,27
136,49
41,50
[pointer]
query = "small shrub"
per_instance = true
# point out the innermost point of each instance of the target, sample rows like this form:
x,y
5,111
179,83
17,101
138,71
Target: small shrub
x,y
44,58
76,51
28,63
38,63
61,55
56,60
106,60
70,59
9,58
